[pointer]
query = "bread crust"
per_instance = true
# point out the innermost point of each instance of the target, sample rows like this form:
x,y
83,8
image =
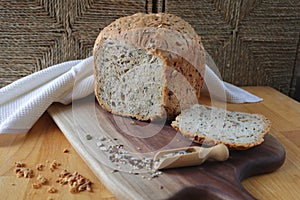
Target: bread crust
x,y
167,29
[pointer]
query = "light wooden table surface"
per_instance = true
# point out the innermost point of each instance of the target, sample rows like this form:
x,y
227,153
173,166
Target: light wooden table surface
x,y
45,142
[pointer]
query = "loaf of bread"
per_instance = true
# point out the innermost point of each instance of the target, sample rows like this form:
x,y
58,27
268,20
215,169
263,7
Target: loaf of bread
x,y
148,66
212,125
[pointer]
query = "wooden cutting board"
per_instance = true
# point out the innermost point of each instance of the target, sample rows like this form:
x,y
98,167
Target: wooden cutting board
x,y
93,131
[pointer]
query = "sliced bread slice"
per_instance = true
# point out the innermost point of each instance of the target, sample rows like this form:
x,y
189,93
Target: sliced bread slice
x,y
211,125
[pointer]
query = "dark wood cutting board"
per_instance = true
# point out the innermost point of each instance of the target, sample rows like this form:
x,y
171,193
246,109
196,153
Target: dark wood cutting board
x,y
212,180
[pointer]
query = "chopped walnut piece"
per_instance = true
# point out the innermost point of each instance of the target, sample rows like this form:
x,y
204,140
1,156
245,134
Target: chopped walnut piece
x,y
63,173
54,165
88,188
76,182
66,150
19,164
39,167
36,185
28,173
73,190
41,179
52,190
17,170
19,174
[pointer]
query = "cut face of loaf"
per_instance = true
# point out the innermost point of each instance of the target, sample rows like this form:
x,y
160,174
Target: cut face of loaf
x,y
148,66
211,125
129,80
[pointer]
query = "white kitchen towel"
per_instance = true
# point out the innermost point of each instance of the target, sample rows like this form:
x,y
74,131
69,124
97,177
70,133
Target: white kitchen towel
x,y
221,90
25,100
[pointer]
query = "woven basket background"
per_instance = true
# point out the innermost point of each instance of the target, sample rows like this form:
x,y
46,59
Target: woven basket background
x,y
253,42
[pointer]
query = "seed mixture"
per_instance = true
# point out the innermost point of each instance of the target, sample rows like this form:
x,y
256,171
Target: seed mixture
x,y
123,160
168,155
88,137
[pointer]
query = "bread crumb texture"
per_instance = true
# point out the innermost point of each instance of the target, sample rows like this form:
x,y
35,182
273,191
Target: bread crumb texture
x,y
130,80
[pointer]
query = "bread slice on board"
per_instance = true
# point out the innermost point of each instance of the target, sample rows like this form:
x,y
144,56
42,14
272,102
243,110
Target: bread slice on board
x,y
148,66
211,125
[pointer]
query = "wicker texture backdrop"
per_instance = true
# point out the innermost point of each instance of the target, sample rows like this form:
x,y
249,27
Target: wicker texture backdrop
x,y
39,33
253,42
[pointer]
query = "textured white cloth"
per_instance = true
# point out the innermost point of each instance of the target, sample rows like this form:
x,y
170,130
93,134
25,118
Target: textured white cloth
x,y
25,100
222,90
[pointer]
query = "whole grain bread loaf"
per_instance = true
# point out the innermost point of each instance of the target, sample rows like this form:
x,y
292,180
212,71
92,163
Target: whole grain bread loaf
x,y
212,125
148,66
